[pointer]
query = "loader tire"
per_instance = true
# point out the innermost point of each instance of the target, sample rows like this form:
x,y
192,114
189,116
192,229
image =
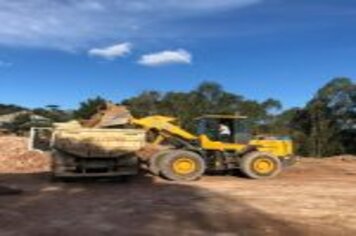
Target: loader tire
x,y
260,165
182,166
154,163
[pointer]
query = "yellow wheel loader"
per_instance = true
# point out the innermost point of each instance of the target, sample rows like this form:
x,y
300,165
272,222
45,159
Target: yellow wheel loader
x,y
188,156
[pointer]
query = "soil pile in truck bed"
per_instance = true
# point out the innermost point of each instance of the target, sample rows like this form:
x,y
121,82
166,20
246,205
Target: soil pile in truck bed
x,y
15,157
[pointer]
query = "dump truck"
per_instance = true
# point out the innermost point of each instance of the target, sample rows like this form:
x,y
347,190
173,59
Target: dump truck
x,y
77,151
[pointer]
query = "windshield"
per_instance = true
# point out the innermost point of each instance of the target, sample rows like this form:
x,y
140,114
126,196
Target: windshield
x,y
238,130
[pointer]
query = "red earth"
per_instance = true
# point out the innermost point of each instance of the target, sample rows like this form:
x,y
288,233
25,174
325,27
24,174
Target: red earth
x,y
314,197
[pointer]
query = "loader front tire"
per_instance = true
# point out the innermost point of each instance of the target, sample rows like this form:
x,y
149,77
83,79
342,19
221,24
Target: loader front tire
x,y
260,165
182,166
154,163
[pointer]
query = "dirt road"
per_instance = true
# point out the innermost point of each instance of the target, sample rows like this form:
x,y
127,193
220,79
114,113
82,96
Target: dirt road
x,y
312,198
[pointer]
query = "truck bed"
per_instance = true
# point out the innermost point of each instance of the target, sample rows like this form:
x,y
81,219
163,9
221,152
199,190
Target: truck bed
x,y
88,142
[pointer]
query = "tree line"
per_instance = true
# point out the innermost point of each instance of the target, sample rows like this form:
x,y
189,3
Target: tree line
x,y
325,126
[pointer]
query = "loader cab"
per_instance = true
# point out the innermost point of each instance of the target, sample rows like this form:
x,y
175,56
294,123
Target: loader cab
x,y
210,125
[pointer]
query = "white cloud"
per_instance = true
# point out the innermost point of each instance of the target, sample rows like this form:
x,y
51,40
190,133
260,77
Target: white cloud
x,y
179,56
112,52
78,24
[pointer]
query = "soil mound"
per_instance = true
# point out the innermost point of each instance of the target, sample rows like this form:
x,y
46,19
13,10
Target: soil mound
x,y
15,157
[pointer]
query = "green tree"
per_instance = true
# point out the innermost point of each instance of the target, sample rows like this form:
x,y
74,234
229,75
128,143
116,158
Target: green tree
x,y
7,109
145,104
327,123
54,113
207,98
24,122
89,107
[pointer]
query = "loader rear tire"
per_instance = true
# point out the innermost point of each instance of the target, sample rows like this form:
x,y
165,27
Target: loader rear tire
x,y
182,166
260,165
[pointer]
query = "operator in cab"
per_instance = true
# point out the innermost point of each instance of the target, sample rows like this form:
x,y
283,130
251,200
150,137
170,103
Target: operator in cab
x,y
224,133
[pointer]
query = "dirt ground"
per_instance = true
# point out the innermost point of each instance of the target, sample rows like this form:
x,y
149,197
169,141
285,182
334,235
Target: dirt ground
x,y
315,197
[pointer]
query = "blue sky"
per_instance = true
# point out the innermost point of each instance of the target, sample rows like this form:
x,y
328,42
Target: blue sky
x,y
64,51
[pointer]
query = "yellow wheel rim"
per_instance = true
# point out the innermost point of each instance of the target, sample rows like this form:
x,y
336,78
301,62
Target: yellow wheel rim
x,y
184,166
263,166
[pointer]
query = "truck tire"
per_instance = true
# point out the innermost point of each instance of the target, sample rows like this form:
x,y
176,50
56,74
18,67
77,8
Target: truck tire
x,y
58,161
182,166
59,164
260,165
155,161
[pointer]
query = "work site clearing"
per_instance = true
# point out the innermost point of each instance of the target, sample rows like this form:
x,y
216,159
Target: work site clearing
x,y
313,197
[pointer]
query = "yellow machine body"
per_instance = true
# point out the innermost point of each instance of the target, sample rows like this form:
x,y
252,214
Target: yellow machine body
x,y
278,148
166,127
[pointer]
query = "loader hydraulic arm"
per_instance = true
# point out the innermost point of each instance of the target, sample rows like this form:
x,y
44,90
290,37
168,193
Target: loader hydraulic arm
x,y
163,124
